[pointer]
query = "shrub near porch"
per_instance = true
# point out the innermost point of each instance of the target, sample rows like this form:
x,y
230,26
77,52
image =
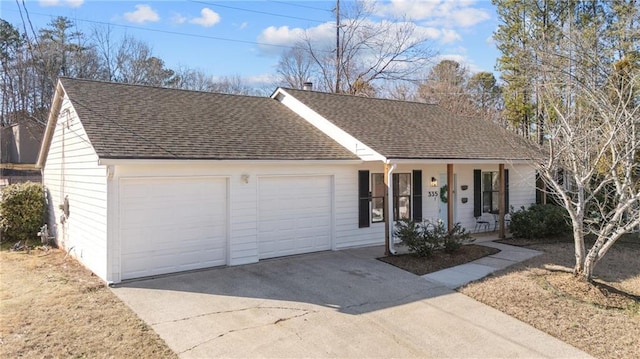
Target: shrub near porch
x,y
434,248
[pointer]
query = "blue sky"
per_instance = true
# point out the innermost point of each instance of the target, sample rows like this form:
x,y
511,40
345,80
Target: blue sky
x,y
245,38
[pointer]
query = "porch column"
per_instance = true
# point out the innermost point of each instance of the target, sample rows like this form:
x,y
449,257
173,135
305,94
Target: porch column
x,y
501,204
388,209
450,198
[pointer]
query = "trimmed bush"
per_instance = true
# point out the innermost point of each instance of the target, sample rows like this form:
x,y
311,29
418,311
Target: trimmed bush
x,y
22,211
423,238
415,237
540,221
453,240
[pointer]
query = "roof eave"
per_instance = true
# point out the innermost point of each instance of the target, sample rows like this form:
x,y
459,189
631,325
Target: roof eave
x,y
404,160
164,161
51,125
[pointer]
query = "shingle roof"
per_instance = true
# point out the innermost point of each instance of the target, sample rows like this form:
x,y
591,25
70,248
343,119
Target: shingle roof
x,y
412,130
129,121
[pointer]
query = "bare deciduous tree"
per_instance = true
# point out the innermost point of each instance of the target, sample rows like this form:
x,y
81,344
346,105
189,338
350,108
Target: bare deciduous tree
x,y
136,64
369,53
295,68
401,91
593,104
445,86
234,85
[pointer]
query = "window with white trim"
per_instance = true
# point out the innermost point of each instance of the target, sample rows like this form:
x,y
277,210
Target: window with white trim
x,y
401,196
490,192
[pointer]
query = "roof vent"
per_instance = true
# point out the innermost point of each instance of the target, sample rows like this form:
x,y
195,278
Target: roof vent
x,y
307,86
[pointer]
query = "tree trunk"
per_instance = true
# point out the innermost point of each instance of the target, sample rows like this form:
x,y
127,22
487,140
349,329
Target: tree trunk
x,y
592,258
587,270
580,251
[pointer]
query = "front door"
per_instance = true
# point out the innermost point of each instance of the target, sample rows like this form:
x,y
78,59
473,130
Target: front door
x,y
443,197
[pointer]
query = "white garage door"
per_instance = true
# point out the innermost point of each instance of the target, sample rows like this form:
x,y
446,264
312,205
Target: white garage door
x,y
171,225
294,215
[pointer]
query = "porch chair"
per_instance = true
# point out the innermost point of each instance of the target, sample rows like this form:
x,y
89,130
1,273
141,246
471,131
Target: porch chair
x,y
483,221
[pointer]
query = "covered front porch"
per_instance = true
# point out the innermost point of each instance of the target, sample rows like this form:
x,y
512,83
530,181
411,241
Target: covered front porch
x,y
421,191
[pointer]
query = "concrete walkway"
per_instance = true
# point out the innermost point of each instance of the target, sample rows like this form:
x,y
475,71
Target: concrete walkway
x,y
458,276
343,304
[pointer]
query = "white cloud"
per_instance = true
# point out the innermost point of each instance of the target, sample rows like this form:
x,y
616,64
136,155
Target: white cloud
x,y
284,36
142,14
469,17
413,9
449,36
447,13
178,18
70,3
243,25
261,80
207,18
490,41
323,36
75,3
428,32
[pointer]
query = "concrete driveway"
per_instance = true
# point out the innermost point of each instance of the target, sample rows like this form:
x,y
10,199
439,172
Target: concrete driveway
x,y
330,304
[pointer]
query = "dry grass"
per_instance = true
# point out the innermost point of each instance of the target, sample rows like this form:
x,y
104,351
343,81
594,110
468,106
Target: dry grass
x,y
601,318
51,306
440,260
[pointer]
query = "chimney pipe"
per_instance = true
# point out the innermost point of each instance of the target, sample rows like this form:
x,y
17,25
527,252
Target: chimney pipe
x,y
307,86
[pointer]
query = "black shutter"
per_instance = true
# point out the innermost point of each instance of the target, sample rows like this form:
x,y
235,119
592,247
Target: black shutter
x,y
477,193
506,191
363,199
417,195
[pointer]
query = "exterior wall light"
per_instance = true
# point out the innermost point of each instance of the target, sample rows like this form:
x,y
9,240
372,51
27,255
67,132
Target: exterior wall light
x,y
434,182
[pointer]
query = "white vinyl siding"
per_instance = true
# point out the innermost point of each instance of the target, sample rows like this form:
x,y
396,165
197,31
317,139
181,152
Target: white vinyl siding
x,y
245,185
71,170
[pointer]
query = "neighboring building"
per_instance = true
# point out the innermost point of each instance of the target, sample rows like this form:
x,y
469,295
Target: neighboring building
x,y
19,146
145,181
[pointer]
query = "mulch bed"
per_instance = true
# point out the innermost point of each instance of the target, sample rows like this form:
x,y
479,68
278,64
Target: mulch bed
x,y
440,260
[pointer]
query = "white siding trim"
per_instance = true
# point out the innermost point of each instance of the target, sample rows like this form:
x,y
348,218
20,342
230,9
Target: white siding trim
x,y
58,98
147,161
349,142
477,162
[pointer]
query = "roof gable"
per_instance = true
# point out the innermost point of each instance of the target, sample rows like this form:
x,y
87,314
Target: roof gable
x,y
412,130
140,122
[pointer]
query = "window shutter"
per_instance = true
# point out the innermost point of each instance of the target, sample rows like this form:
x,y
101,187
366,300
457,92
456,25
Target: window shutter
x,y
363,199
477,193
506,190
417,195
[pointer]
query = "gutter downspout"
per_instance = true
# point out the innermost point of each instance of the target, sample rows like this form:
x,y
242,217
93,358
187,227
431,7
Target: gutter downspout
x,y
388,221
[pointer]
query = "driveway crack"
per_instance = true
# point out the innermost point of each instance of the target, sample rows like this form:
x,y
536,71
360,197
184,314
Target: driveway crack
x,y
275,322
226,312
384,302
